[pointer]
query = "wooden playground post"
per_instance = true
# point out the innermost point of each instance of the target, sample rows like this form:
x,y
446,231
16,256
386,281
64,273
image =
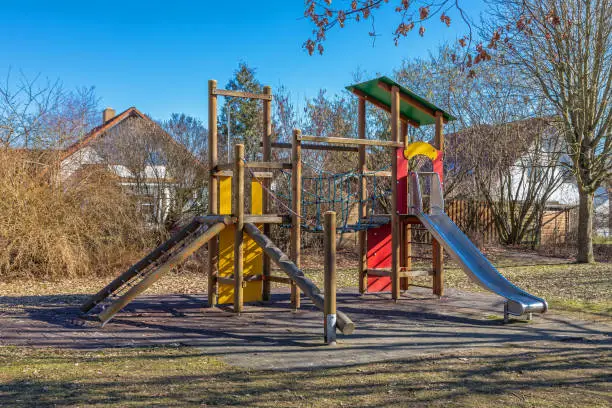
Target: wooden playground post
x,y
395,221
437,251
296,208
267,156
363,254
329,289
238,212
406,229
213,244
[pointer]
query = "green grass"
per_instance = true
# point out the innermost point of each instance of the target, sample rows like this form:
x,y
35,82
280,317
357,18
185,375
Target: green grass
x,y
602,240
584,289
137,377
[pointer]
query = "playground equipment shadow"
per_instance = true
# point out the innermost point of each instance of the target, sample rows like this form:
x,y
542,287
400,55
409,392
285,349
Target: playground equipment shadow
x,y
273,337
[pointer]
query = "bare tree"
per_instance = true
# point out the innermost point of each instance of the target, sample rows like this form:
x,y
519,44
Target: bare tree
x,y
565,46
167,177
24,105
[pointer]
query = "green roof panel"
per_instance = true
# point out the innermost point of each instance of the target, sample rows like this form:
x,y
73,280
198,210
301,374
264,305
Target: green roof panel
x,y
373,91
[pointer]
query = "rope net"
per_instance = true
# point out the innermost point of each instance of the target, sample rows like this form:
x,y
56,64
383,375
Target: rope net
x,y
327,191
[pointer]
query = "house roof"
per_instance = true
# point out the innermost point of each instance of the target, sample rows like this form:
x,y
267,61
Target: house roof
x,y
99,131
412,106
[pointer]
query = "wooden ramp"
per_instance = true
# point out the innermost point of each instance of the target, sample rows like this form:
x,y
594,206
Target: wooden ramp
x,y
121,291
343,322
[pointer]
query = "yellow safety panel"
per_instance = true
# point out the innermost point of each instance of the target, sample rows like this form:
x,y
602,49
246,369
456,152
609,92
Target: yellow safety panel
x,y
253,254
420,148
226,242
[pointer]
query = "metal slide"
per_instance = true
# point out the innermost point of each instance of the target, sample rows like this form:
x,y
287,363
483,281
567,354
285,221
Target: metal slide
x,y
472,261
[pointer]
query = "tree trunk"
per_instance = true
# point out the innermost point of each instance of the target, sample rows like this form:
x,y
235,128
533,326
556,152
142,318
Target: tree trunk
x,y
610,210
585,228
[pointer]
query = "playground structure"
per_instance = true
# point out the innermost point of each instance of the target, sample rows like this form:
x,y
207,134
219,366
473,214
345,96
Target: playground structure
x,y
239,244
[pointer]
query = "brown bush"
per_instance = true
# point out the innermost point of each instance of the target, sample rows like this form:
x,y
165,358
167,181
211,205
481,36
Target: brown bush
x,y
79,227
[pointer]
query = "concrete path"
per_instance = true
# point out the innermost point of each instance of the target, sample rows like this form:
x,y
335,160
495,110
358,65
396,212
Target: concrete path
x,y
274,337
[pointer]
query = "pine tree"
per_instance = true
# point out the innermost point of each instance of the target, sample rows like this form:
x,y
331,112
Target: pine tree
x,y
245,115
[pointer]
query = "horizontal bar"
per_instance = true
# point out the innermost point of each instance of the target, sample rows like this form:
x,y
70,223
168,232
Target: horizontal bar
x,y
381,173
403,273
351,141
240,94
256,174
223,280
308,146
229,280
213,219
254,165
267,219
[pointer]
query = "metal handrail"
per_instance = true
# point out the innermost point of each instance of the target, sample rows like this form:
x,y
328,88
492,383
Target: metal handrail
x,y
436,196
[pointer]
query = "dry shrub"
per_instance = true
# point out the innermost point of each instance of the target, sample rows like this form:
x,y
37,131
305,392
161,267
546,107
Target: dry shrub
x,y
80,227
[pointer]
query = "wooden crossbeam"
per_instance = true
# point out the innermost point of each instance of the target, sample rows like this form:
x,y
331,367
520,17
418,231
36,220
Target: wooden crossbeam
x,y
254,165
381,173
307,146
154,276
404,273
350,141
240,94
140,265
267,219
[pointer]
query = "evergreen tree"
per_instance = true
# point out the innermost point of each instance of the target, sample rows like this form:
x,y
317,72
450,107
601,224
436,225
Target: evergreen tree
x,y
245,115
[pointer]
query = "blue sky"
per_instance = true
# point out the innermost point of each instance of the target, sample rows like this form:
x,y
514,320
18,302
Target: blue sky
x,y
158,55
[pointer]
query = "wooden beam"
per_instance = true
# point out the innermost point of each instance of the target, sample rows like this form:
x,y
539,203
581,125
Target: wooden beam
x,y
238,210
363,195
329,278
226,280
213,219
267,219
384,107
438,251
410,101
254,165
395,224
403,273
240,94
296,208
381,173
256,174
343,322
305,146
155,275
267,157
140,265
213,192
350,141
230,280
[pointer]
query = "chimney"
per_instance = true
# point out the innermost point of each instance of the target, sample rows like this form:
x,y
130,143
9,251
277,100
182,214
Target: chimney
x,y
107,115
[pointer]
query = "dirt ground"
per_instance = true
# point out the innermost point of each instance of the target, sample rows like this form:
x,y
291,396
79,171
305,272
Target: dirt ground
x,y
418,323
422,350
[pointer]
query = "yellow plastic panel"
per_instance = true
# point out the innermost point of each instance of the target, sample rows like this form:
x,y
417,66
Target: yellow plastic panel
x,y
420,148
253,254
226,242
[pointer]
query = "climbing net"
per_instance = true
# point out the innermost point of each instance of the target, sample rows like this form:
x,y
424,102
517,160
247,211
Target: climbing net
x,y
324,191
